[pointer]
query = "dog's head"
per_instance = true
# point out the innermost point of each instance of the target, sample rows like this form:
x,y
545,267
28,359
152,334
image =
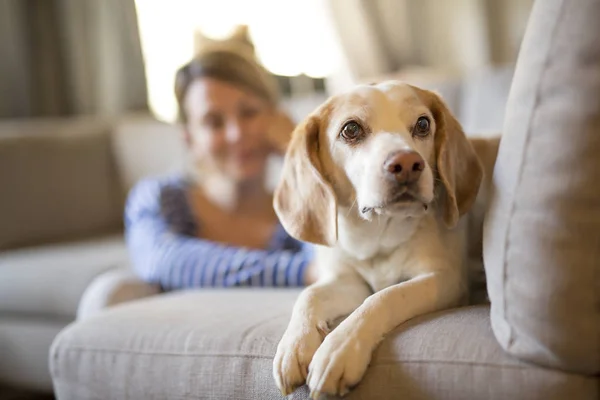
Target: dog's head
x,y
384,149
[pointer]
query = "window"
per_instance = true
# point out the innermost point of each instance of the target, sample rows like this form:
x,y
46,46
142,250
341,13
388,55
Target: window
x,y
291,37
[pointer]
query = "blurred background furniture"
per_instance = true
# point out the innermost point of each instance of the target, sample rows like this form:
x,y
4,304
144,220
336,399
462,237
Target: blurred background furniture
x,y
61,211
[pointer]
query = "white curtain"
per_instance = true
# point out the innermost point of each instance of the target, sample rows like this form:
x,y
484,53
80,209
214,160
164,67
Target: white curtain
x,y
67,57
103,57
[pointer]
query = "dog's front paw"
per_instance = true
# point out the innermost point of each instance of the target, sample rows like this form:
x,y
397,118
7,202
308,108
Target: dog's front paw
x,y
338,364
294,353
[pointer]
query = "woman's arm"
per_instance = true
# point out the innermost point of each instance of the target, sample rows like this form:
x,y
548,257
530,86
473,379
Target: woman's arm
x,y
177,261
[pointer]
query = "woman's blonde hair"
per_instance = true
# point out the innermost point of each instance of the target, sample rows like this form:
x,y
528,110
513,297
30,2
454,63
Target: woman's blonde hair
x,y
230,61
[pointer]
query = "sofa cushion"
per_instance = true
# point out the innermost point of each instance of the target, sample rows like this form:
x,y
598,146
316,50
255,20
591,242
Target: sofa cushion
x,y
484,94
58,180
219,344
542,234
50,280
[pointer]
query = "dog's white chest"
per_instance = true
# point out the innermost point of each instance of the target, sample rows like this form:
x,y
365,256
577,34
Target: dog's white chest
x,y
381,249
365,240
382,272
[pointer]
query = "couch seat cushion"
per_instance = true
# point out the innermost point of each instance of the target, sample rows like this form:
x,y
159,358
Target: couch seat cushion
x,y
219,344
49,280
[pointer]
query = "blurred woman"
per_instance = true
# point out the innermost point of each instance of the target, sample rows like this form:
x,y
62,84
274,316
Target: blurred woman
x,y
214,225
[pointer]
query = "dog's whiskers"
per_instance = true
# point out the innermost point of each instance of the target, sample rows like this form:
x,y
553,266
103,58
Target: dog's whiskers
x,y
351,206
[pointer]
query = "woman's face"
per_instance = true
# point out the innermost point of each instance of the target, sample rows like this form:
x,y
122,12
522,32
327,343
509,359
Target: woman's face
x,y
227,127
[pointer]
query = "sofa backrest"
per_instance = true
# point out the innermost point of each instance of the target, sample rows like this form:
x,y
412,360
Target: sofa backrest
x,y
57,181
143,146
68,178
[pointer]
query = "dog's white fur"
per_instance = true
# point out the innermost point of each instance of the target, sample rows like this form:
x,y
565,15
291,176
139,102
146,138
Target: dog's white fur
x,y
379,264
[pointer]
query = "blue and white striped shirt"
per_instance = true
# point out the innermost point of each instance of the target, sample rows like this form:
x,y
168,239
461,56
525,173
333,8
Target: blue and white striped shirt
x,y
161,235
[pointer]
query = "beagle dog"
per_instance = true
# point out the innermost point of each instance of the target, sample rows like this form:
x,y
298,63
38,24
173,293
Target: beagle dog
x,y
379,179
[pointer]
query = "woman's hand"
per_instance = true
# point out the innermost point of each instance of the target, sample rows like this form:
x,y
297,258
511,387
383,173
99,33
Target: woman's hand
x,y
280,132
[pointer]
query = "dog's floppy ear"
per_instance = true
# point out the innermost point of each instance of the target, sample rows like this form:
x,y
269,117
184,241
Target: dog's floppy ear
x,y
304,200
458,166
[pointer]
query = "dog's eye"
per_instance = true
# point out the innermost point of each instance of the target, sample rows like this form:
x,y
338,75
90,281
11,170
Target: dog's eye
x,y
421,127
351,131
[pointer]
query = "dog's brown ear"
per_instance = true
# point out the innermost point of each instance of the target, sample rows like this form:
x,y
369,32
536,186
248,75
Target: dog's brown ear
x,y
458,166
304,200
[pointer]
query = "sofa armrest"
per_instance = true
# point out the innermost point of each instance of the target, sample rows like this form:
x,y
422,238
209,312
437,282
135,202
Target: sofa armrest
x,y
111,288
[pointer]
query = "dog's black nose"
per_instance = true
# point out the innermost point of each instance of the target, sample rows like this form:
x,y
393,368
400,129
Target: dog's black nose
x,y
405,166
